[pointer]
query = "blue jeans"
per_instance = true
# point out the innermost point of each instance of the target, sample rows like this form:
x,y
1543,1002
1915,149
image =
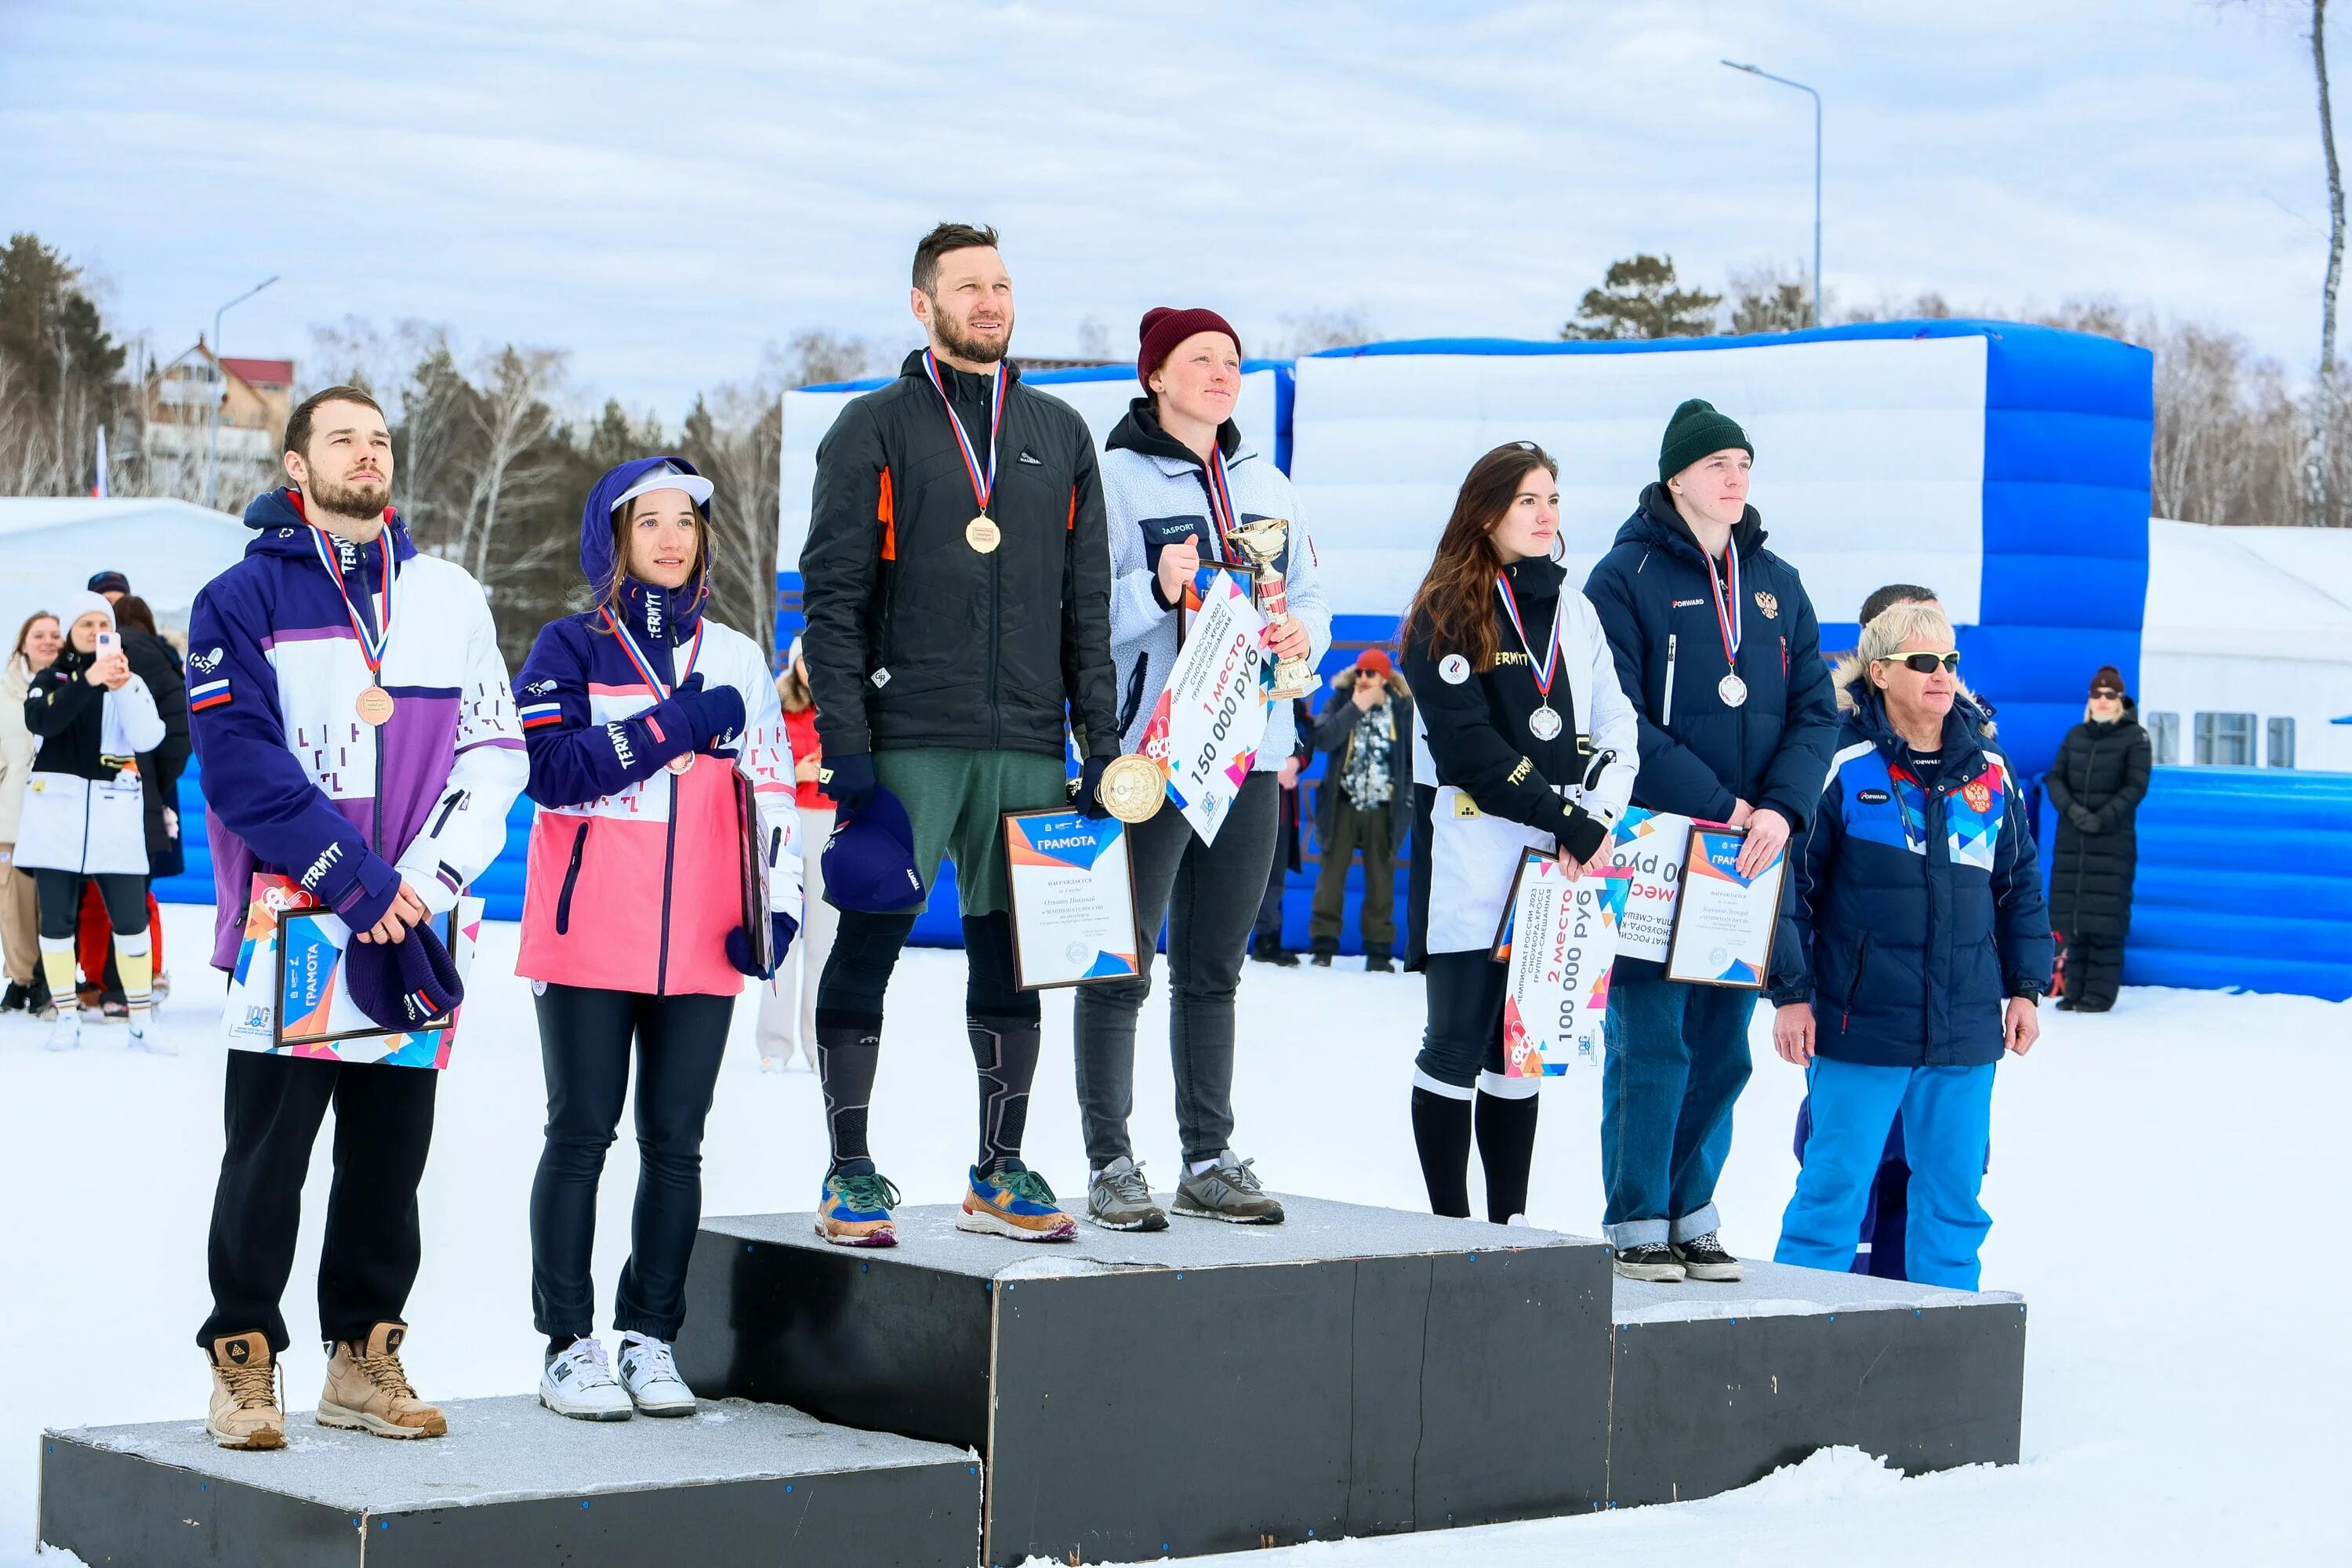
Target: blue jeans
x,y
1946,1126
1678,1059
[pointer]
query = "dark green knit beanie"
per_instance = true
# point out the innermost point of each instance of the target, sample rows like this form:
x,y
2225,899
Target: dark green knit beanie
x,y
1696,430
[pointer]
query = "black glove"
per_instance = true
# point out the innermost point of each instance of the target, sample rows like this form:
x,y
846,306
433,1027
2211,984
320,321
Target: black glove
x,y
707,714
848,778
739,946
1089,796
2083,817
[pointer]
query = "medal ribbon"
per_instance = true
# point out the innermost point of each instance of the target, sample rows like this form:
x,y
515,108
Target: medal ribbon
x,y
983,481
372,643
645,666
1726,619
1221,501
1551,647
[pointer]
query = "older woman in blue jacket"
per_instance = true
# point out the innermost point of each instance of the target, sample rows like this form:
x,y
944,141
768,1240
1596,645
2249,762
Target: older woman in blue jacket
x,y
1915,953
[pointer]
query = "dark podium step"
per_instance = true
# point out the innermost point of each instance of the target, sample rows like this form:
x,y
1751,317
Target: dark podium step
x,y
513,1484
1715,1386
1206,1388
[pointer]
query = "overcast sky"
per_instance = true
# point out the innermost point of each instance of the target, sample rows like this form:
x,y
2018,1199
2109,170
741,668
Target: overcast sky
x,y
664,189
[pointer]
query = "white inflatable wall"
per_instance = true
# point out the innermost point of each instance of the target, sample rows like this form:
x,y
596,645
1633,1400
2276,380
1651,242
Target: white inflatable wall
x,y
1870,454
1099,396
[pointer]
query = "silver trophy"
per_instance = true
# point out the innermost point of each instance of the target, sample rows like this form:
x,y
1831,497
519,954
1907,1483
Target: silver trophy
x,y
1263,542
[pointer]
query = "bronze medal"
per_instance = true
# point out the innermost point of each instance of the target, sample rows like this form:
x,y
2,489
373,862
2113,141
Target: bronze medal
x,y
375,706
982,534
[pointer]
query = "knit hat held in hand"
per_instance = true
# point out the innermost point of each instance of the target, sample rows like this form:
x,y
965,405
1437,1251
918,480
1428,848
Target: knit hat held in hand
x,y
1696,431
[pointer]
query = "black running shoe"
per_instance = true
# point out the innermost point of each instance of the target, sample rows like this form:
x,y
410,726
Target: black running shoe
x,y
1703,1258
1654,1262
16,999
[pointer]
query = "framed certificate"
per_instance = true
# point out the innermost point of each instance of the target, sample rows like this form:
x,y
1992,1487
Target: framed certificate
x,y
1073,891
1196,592
751,872
1723,922
314,1002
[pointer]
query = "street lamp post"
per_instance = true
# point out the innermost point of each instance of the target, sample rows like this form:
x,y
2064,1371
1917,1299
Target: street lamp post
x,y
211,440
1800,87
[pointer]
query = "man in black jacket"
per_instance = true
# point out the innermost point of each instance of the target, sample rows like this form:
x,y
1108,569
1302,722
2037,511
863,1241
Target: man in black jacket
x,y
957,583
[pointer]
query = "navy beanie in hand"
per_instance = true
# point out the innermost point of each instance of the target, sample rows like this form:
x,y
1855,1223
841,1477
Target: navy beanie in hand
x,y
869,861
403,984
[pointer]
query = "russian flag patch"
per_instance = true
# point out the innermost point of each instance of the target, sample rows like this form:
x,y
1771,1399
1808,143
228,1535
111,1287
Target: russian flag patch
x,y
540,714
211,694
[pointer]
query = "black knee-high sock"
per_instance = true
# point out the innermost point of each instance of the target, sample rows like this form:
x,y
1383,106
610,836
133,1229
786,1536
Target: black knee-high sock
x,y
1005,1052
848,1047
1506,1148
1440,1132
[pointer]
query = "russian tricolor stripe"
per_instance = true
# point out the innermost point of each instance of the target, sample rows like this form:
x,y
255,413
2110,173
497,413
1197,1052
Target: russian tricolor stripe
x,y
211,694
539,714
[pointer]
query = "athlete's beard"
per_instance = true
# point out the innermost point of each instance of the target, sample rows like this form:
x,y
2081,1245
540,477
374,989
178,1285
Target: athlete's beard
x,y
974,349
362,501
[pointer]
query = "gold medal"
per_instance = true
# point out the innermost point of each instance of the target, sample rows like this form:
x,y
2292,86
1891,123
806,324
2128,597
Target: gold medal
x,y
375,706
982,534
1133,787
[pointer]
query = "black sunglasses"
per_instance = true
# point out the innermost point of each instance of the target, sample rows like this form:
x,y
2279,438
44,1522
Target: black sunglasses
x,y
1925,663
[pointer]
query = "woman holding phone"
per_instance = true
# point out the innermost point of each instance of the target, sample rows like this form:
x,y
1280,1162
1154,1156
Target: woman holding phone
x,y
641,715
86,812
1532,744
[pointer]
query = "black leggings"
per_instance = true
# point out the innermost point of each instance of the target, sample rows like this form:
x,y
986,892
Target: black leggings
x,y
59,894
583,1041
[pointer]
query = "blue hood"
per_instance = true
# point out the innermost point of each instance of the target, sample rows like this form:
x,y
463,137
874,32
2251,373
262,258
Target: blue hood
x,y
659,615
281,528
1656,522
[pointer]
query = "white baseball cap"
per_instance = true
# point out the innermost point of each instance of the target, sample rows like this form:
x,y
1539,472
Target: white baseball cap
x,y
668,477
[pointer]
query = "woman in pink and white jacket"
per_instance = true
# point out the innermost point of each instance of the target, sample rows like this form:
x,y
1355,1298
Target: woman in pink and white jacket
x,y
639,714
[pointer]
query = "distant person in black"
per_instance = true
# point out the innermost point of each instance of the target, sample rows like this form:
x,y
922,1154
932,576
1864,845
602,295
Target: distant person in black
x,y
2097,784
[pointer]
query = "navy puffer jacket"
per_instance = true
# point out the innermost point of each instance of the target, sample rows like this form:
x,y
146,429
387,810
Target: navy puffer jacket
x,y
1700,756
1916,908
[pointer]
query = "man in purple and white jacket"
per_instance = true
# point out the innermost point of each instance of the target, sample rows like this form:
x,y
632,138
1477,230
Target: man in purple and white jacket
x,y
357,732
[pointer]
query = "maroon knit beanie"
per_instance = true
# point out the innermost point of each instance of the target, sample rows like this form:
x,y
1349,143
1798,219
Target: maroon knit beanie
x,y
2108,679
1164,329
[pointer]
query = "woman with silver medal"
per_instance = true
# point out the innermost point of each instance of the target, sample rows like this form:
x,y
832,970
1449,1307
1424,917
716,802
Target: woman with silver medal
x,y
1532,744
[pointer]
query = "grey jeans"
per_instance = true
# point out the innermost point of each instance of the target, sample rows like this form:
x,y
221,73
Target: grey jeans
x,y
1210,894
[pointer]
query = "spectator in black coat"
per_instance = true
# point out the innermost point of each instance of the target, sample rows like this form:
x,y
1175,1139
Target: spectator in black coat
x,y
2096,783
1266,936
1364,803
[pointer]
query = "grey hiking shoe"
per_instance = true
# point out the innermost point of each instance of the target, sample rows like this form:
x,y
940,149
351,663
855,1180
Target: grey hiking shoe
x,y
1120,1199
1228,1191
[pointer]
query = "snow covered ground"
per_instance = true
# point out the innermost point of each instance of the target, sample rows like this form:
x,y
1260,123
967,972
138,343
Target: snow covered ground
x,y
2165,1190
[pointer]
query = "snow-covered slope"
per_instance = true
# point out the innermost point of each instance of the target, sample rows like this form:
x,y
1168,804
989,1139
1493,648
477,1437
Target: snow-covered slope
x,y
2163,1187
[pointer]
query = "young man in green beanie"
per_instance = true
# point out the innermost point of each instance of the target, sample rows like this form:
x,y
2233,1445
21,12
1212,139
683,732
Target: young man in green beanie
x,y
1716,644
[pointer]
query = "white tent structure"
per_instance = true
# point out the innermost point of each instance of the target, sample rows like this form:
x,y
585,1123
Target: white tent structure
x,y
50,545
2246,652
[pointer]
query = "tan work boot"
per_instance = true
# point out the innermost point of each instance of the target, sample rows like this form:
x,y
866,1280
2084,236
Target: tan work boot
x,y
246,1412
368,1392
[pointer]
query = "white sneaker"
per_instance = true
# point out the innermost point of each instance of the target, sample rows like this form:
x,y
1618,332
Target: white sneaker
x,y
65,1034
772,1064
650,1375
145,1038
580,1383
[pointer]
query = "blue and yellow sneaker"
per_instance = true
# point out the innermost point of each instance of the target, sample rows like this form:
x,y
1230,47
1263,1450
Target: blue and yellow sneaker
x,y
854,1207
1014,1201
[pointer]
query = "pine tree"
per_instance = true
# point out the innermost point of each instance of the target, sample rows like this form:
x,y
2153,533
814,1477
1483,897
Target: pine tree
x,y
1638,299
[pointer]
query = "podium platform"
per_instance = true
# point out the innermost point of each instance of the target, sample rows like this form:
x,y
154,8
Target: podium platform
x,y
1715,1386
1205,1388
513,1484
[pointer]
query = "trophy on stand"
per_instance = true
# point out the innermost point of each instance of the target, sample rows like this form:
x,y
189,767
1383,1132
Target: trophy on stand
x,y
1262,542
